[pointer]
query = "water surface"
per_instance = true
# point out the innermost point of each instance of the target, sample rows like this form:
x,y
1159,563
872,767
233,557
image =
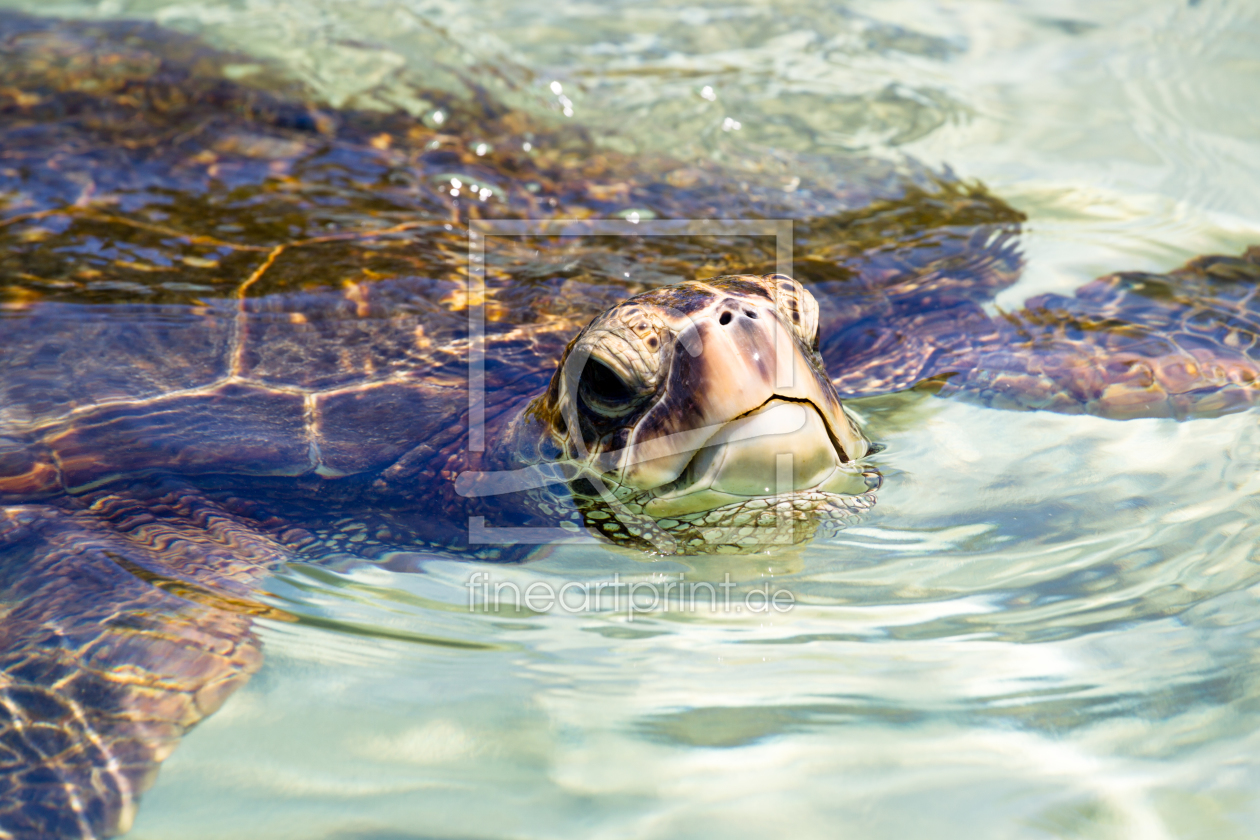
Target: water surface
x,y
1048,625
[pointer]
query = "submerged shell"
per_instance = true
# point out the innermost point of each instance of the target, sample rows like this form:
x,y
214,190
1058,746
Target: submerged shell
x,y
238,329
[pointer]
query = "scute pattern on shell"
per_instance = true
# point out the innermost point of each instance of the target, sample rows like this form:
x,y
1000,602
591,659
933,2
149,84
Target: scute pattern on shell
x,y
226,293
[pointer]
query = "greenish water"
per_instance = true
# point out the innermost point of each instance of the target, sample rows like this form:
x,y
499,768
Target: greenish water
x,y
1047,627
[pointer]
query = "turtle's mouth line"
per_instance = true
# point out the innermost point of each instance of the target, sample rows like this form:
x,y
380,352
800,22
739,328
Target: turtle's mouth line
x,y
831,435
782,448
808,405
615,461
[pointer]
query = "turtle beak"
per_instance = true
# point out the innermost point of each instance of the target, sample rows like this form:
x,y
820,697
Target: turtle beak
x,y
748,414
782,447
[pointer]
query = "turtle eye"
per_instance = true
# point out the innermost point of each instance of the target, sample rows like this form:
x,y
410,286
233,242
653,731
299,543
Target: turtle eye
x,y
603,390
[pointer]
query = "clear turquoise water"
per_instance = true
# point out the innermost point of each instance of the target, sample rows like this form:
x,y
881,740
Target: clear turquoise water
x,y
1047,627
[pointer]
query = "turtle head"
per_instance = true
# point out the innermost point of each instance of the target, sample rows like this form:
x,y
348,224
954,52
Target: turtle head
x,y
699,418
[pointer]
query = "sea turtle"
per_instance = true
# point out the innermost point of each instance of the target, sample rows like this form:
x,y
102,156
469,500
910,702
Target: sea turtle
x,y
238,330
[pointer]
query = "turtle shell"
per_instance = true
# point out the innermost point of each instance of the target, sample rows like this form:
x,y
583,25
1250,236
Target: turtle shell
x,y
238,328
224,279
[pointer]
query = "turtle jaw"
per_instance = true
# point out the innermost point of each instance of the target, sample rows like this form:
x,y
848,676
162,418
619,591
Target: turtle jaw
x,y
700,418
781,449
752,415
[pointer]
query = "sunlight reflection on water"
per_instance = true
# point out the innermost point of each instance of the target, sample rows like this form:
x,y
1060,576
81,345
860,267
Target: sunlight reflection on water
x,y
1047,625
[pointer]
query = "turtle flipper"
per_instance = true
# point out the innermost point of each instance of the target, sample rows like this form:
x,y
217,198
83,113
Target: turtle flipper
x,y
124,622
1183,344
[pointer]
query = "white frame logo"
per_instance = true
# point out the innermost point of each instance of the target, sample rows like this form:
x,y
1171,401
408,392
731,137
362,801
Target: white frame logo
x,y
479,533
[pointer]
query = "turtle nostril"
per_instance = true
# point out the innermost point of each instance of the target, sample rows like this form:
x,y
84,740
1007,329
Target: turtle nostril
x,y
750,313
725,319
